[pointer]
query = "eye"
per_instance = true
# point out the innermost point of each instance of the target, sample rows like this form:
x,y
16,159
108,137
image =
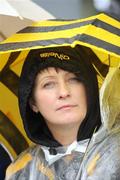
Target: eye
x,y
73,79
49,85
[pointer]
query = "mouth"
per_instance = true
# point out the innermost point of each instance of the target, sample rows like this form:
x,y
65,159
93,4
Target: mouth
x,y
65,107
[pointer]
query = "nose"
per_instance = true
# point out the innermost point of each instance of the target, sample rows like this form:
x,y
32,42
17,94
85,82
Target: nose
x,y
64,90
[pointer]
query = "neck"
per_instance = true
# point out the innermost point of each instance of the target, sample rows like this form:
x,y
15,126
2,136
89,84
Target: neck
x,y
65,135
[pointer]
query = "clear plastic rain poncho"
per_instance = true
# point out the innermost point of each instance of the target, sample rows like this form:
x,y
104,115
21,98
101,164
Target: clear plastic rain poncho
x,y
100,161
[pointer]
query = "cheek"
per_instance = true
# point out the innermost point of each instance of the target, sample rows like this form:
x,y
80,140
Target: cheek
x,y
44,101
81,97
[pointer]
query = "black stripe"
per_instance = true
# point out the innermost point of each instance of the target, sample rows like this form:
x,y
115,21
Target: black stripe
x,y
12,134
10,80
8,77
54,28
114,16
84,38
11,59
95,22
107,27
100,43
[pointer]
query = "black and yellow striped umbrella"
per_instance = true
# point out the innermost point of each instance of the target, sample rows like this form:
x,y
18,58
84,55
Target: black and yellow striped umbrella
x,y
100,33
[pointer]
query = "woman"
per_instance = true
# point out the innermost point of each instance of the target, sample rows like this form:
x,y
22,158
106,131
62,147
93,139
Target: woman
x,y
59,105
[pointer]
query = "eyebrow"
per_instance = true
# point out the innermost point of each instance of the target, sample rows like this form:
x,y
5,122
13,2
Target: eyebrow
x,y
53,76
46,77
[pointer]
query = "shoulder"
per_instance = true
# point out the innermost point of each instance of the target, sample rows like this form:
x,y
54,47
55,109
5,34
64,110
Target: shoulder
x,y
109,144
109,148
23,160
105,159
112,143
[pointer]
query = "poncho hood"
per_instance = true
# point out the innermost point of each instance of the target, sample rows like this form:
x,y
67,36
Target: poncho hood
x,y
110,101
109,106
70,59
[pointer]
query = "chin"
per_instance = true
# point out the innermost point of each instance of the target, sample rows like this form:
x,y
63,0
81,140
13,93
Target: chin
x,y
69,120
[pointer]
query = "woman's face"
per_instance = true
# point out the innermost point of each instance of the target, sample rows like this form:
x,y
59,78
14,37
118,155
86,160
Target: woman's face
x,y
59,97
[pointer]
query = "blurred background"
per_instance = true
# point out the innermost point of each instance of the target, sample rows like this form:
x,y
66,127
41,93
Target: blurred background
x,y
68,9
79,8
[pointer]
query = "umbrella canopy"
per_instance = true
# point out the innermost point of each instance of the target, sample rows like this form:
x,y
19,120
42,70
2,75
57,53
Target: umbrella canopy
x,y
99,35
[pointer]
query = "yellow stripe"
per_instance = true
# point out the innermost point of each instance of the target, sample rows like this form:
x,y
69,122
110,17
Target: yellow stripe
x,y
18,165
9,106
46,171
11,110
95,48
103,35
92,165
114,61
109,20
100,81
45,36
16,66
3,60
60,23
89,29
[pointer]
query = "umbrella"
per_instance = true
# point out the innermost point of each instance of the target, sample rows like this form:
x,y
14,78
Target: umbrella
x,y
17,15
99,36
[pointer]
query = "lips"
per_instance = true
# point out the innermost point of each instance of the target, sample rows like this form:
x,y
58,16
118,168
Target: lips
x,y
66,107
